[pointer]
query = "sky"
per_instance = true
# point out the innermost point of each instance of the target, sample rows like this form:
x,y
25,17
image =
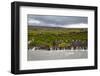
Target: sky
x,y
56,21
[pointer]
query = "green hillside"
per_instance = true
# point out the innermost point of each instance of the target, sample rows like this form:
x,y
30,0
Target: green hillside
x,y
48,37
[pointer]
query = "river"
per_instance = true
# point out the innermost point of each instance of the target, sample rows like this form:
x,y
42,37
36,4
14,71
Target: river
x,y
56,54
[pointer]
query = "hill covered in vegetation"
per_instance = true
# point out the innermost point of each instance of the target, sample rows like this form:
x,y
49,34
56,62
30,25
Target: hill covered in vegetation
x,y
49,38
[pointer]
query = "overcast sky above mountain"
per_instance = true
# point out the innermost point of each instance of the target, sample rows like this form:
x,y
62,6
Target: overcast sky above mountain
x,y
56,21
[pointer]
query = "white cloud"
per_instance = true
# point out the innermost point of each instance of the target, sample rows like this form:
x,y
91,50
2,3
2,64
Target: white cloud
x,y
81,25
34,21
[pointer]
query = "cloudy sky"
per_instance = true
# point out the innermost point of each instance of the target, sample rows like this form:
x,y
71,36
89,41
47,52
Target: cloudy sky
x,y
57,21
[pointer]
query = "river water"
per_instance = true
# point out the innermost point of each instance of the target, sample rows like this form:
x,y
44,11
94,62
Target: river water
x,y
56,54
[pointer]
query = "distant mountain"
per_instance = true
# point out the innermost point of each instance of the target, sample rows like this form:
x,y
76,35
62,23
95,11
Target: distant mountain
x,y
81,25
30,27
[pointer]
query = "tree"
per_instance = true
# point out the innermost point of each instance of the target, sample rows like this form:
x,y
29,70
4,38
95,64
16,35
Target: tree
x,y
62,45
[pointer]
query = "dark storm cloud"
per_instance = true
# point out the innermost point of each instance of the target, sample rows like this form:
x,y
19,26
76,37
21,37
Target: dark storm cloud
x,y
55,20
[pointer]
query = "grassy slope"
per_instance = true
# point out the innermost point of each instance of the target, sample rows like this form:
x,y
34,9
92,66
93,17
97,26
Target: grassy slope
x,y
47,35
